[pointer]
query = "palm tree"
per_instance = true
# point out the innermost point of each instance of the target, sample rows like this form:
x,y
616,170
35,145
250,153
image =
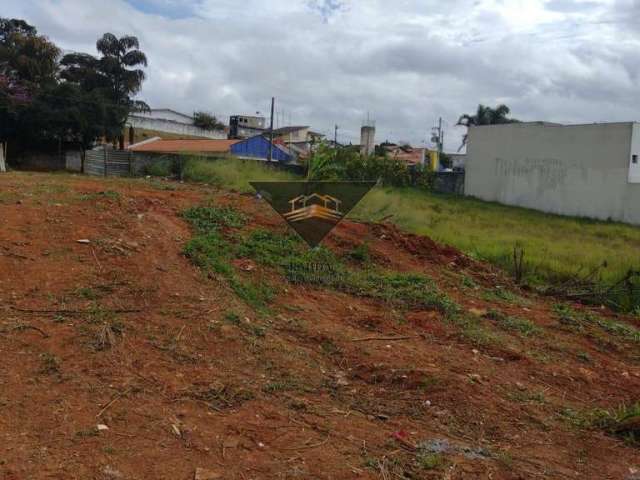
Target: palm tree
x,y
485,116
114,74
120,56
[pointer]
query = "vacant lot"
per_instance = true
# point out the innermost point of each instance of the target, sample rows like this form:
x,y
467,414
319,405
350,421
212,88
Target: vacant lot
x,y
177,337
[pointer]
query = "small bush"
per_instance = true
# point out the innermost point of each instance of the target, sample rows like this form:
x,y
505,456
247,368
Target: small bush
x,y
360,253
49,364
163,167
430,461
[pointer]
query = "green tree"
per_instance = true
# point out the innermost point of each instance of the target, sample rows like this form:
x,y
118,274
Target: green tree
x,y
206,121
115,75
485,116
28,64
27,59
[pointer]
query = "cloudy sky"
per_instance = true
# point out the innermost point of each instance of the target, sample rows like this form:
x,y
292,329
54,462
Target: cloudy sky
x,y
403,62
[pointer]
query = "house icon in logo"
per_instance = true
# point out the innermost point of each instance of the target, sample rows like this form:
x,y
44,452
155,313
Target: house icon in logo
x,y
321,207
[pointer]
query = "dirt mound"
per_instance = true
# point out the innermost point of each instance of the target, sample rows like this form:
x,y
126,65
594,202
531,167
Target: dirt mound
x,y
122,359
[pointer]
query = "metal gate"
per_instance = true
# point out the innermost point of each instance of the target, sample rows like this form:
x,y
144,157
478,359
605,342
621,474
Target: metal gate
x,y
108,163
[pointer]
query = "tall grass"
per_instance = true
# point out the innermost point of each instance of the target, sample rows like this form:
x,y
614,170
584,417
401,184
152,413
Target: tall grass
x,y
556,247
234,174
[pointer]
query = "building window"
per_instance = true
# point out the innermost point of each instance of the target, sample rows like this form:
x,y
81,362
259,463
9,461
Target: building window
x,y
634,159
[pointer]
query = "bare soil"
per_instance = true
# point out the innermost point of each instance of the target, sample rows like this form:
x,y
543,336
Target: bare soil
x,y
123,331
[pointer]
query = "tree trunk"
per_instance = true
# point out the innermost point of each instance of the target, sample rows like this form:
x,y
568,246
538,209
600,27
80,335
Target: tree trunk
x,y
3,165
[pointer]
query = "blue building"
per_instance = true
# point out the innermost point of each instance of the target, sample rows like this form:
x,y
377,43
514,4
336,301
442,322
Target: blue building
x,y
258,147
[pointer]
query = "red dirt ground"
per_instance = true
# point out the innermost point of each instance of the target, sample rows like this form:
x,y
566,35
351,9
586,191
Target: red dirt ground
x,y
124,331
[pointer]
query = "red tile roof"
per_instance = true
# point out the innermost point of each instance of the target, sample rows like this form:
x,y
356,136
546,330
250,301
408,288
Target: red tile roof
x,y
186,146
412,156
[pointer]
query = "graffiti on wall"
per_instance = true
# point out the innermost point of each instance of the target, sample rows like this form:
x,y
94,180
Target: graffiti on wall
x,y
543,173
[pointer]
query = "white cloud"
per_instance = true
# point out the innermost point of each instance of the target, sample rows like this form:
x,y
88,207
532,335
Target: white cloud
x,y
407,63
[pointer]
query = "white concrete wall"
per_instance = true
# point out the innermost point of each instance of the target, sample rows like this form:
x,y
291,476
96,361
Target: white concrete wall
x,y
580,170
166,114
169,126
634,163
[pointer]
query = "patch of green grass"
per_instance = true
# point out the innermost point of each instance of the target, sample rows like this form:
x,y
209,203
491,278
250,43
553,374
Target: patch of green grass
x,y
360,253
210,252
408,290
584,357
501,294
430,461
213,251
522,325
472,330
328,347
89,432
208,219
232,318
255,294
97,195
165,186
220,396
468,282
577,320
8,197
269,248
618,329
320,266
162,167
284,384
525,396
87,293
49,364
249,327
623,422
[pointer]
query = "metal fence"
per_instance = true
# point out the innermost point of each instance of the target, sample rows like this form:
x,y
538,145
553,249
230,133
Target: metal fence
x,y
449,182
108,163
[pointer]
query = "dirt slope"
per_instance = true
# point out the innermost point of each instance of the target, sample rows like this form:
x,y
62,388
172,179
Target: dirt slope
x,y
124,331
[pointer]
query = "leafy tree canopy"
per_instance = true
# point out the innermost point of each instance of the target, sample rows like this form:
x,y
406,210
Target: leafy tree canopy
x,y
79,98
206,121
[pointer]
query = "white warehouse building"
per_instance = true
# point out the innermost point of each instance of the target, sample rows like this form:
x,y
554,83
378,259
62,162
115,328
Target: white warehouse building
x,y
590,170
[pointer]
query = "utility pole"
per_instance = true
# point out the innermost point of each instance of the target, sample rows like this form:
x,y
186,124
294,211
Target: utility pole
x,y
335,141
273,102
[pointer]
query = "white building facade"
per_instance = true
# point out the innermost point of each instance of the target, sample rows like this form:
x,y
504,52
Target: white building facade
x,y
170,121
590,170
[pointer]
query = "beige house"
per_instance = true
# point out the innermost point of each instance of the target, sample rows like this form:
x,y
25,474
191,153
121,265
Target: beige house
x,y
300,138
